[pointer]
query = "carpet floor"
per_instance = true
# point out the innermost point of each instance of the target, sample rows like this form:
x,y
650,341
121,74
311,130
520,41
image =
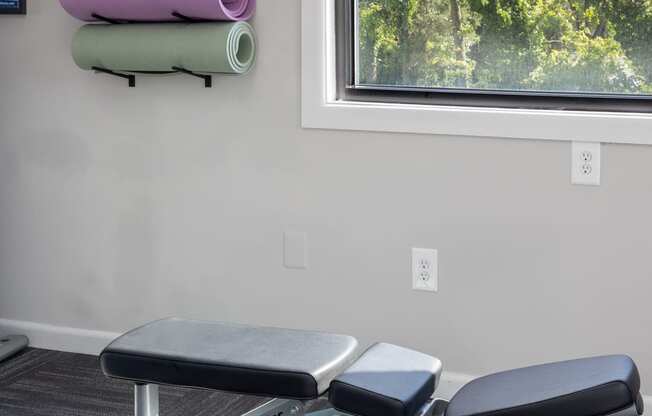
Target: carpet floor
x,y
51,383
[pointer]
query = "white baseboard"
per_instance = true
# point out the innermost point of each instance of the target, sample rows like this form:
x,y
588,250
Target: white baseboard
x,y
59,338
85,341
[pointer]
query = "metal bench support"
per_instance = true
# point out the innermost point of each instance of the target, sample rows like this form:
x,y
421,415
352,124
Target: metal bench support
x,y
278,407
146,400
147,404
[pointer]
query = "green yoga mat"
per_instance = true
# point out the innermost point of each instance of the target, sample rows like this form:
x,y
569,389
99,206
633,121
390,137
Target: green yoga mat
x,y
198,47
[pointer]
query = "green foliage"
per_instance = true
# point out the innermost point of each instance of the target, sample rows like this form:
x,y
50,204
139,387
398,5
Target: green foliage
x,y
559,45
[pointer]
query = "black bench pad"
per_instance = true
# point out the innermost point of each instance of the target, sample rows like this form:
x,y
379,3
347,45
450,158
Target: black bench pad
x,y
587,387
237,358
386,380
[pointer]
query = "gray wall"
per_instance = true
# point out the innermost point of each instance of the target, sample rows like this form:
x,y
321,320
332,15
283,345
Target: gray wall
x,y
120,205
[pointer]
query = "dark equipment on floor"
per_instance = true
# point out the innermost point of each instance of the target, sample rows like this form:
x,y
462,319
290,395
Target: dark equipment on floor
x,y
386,380
11,345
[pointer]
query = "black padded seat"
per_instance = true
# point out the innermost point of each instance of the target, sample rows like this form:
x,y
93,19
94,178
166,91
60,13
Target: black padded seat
x,y
386,380
586,387
237,358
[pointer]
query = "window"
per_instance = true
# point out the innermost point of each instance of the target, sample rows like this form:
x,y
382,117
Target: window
x,y
336,93
536,54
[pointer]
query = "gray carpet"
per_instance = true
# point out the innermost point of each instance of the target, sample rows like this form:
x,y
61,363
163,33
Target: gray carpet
x,y
51,383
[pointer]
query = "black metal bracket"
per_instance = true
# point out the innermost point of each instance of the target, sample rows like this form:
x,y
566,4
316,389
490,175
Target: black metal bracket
x,y
188,18
105,19
175,14
208,79
130,77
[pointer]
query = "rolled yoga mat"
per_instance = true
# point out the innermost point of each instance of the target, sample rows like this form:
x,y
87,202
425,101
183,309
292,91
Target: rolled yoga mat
x,y
160,10
198,47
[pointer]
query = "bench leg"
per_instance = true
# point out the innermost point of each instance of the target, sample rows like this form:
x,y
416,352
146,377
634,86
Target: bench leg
x,y
146,400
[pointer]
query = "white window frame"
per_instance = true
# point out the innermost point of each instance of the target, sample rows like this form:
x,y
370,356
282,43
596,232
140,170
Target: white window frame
x,y
321,109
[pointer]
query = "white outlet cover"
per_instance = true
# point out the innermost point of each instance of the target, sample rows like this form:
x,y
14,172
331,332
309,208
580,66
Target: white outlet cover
x,y
425,269
586,163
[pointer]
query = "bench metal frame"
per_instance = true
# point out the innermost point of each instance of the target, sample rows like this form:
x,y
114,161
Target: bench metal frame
x,y
146,400
146,403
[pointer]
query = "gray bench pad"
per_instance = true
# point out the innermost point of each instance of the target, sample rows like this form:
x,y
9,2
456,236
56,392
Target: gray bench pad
x,y
387,380
223,356
586,387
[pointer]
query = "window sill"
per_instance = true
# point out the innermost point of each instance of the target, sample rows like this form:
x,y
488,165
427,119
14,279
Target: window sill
x,y
321,110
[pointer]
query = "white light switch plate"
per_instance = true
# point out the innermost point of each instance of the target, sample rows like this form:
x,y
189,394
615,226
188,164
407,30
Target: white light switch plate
x,y
586,163
295,250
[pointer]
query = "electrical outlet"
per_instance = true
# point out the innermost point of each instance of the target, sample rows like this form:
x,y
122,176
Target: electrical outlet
x,y
585,164
425,274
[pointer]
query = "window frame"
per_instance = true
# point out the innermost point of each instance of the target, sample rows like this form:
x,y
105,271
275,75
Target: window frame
x,y
324,106
346,32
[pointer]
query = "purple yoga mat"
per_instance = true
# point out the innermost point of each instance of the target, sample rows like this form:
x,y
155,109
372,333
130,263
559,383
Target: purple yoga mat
x,y
160,10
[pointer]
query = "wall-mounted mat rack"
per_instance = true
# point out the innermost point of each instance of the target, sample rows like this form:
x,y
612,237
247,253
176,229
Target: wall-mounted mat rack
x,y
131,77
197,49
115,11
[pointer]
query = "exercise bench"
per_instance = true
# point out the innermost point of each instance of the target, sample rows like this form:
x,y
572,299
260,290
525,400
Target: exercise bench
x,y
294,366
